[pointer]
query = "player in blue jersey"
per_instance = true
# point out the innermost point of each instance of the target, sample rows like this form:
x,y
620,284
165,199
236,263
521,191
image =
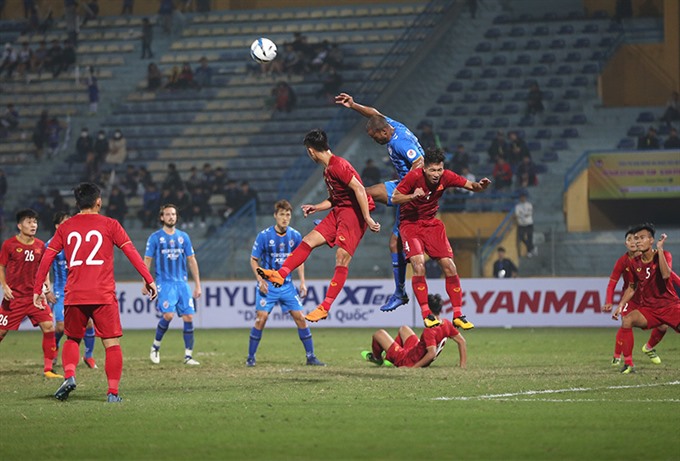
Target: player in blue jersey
x,y
271,248
406,154
56,299
171,251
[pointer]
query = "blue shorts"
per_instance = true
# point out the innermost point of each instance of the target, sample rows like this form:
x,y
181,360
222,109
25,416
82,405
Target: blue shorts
x,y
390,187
175,297
58,307
286,297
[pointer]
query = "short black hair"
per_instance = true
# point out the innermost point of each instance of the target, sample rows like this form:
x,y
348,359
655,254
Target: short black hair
x,y
500,249
317,140
86,194
434,302
434,155
59,217
26,213
651,228
631,231
168,205
376,123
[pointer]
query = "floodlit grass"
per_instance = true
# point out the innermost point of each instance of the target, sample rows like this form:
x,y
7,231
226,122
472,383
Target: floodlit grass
x,y
282,409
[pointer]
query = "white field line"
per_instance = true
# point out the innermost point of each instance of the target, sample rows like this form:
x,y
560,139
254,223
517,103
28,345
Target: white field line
x,y
556,391
591,400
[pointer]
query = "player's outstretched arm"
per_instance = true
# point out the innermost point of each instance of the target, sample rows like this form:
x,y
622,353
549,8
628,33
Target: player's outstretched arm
x,y
346,100
362,199
664,268
308,209
477,186
399,198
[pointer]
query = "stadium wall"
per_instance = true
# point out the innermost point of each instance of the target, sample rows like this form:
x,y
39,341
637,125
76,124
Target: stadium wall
x,y
492,303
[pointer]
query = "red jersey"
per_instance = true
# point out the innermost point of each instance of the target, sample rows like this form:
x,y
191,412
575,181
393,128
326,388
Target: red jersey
x,y
654,290
88,241
620,269
21,263
425,208
436,336
338,174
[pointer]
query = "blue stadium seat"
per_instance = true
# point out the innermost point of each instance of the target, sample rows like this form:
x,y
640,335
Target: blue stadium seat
x,y
566,29
541,168
528,82
571,93
495,97
480,85
465,136
475,123
483,47
490,135
498,60
590,28
615,28
600,14
573,56
565,69
525,17
478,147
508,45
519,96
550,156
547,58
534,146
473,61
557,44
559,144
464,74
541,31
578,119
636,131
470,98
517,31
501,19
492,33
520,133
580,81
548,95
511,109
533,44
460,111
489,72
504,85
626,143
485,110
646,117
555,82
501,122
445,99
570,133
523,59
597,56
454,87
591,68
539,71
582,42
450,124
562,106
551,120
606,42
435,111
514,72
526,121
543,133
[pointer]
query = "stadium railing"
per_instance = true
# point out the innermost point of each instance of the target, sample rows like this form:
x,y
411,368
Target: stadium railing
x,y
498,235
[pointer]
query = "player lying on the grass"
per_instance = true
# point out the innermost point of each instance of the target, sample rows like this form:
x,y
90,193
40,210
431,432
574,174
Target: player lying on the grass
x,y
618,272
651,270
20,257
406,154
422,233
344,226
272,246
410,351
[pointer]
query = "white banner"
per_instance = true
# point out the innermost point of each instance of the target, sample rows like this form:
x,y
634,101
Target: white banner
x,y
531,302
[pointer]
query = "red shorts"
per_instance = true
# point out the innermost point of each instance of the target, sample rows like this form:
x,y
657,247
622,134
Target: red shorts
x,y
400,355
343,227
425,237
629,307
105,317
12,312
656,316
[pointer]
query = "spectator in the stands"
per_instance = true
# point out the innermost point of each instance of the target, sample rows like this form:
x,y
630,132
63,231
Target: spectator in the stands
x,y
499,147
92,90
204,74
84,146
503,267
184,205
334,59
248,194
331,82
68,55
427,137
54,131
154,77
172,181
165,12
194,180
117,207
144,177
39,58
219,181
518,148
9,60
44,210
128,6
185,80
232,197
535,100
151,201
91,10
526,173
200,205
207,177
672,112
10,119
460,159
130,181
117,149
283,97
147,38
649,141
40,133
502,175
58,202
53,60
370,175
673,141
24,60
292,61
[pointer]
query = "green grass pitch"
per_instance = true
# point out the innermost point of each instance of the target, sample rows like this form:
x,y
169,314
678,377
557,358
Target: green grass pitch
x,y
527,394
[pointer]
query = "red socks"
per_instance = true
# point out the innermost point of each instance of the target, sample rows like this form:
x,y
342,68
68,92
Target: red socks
x,y
337,282
655,338
70,354
377,349
618,345
297,257
628,343
113,367
420,290
49,350
455,294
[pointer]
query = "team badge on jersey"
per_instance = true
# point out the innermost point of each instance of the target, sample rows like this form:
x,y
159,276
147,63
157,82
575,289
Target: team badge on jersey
x,y
291,243
411,153
263,302
162,239
19,250
180,240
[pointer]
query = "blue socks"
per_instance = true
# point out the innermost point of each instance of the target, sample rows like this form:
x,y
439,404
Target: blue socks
x,y
255,337
89,342
189,335
399,272
160,332
306,337
57,338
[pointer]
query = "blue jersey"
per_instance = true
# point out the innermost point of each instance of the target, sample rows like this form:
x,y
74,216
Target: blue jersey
x,y
403,148
271,248
59,270
169,253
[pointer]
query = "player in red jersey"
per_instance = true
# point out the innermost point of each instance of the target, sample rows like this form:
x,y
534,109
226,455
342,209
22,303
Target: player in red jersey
x,y
88,240
620,270
410,351
421,232
19,260
659,303
344,226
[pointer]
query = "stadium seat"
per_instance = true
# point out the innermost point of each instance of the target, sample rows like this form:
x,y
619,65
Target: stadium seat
x,y
454,87
517,31
483,47
445,99
523,60
519,96
485,110
572,57
571,93
590,28
510,109
547,58
460,111
615,28
534,146
465,136
555,82
566,29
501,19
539,71
495,97
636,131
436,111
562,106
600,14
475,123
489,135
469,98
551,120
543,133
582,42
626,143
492,33
646,117
498,60
464,74
548,95
550,156
508,45
541,168
559,144
525,17
580,81
606,42
550,16
541,31
480,85
557,44
489,72
526,121
591,68
501,122
473,61
533,44
450,124
514,72
564,69
504,85
569,133
578,119
597,56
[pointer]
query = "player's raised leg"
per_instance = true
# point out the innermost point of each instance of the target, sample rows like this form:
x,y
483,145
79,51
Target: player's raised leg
x,y
292,262
452,284
655,338
342,260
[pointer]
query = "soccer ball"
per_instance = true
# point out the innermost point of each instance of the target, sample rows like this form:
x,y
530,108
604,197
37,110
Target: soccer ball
x,y
263,50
